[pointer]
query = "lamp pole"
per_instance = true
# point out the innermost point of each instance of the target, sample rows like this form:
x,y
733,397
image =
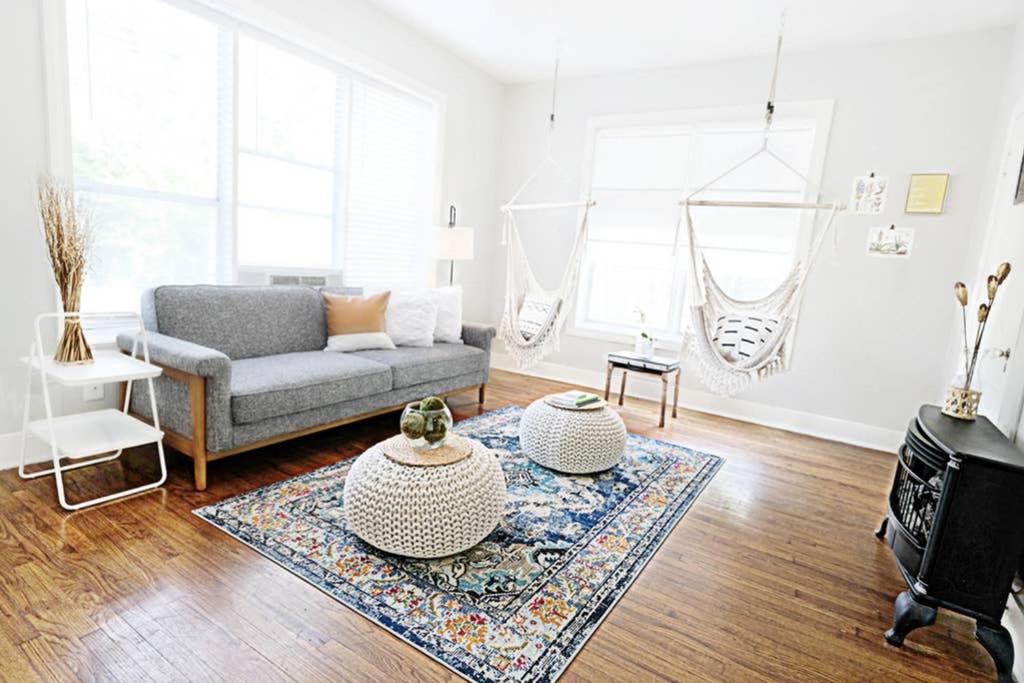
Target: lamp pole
x,y
451,262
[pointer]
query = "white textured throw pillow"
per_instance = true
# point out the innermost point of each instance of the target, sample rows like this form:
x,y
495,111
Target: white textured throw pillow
x,y
360,341
535,311
411,317
449,315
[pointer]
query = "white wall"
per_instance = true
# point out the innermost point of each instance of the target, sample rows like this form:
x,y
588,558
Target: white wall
x,y
872,341
25,282
349,27
997,240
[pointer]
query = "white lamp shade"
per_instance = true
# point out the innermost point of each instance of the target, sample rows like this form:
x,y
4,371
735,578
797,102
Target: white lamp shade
x,y
455,244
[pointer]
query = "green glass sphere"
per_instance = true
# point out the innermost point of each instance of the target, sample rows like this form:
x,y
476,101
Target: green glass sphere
x,y
431,403
414,426
436,431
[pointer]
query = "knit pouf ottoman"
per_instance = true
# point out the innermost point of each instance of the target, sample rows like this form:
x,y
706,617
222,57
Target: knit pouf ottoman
x,y
426,505
574,440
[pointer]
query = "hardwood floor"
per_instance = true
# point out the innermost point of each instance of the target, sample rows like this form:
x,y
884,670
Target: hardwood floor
x,y
773,574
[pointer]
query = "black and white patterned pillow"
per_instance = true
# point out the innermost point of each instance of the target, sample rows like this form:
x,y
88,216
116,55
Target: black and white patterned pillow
x,y
739,336
535,311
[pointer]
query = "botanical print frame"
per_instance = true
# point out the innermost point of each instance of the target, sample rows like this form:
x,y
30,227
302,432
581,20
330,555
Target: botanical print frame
x,y
891,242
927,193
868,194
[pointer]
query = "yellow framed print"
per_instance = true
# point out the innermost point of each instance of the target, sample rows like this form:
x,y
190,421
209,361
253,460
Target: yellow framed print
x,y
927,192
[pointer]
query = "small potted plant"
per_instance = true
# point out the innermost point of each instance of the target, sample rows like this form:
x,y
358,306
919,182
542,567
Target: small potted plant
x,y
961,400
644,343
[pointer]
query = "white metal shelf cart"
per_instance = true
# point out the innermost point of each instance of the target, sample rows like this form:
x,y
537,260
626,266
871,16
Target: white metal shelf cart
x,y
100,435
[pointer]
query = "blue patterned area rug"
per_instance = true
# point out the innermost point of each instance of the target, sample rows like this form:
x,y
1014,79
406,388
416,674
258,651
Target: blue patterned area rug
x,y
522,603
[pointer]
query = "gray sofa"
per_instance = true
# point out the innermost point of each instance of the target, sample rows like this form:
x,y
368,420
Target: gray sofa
x,y
244,367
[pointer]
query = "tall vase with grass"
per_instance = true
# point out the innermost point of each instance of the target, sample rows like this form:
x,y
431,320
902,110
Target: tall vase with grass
x,y
67,245
962,400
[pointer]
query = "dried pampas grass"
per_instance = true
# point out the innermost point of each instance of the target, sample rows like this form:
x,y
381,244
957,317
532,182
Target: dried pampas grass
x,y
67,244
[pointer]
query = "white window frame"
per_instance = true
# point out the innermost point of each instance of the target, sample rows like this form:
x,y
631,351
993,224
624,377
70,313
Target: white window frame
x,y
818,111
239,16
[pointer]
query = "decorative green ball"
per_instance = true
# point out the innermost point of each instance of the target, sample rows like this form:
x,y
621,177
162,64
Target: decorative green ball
x,y
431,403
436,432
414,426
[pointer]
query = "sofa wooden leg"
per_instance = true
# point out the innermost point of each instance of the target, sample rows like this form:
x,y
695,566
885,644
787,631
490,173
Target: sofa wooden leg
x,y
483,393
199,470
197,397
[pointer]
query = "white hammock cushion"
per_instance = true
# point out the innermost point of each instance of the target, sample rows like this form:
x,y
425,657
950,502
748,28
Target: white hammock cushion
x,y
740,337
535,312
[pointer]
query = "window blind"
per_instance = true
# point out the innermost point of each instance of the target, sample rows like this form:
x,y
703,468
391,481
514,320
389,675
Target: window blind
x,y
388,228
201,145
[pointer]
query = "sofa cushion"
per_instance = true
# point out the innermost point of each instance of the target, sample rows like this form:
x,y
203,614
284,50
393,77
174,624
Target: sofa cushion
x,y
416,365
270,386
243,322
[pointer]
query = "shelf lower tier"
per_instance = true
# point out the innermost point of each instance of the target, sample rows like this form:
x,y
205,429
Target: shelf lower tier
x,y
96,432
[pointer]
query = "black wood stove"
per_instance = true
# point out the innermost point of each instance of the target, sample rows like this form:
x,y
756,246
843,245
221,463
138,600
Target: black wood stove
x,y
956,526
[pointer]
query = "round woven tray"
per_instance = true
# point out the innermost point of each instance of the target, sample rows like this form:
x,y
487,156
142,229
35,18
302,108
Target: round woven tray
x,y
456,448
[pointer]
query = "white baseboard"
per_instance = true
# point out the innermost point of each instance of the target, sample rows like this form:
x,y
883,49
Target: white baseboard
x,y
10,450
646,387
823,426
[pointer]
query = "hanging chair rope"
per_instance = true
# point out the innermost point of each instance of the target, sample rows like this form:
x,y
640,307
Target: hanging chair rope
x,y
765,327
533,317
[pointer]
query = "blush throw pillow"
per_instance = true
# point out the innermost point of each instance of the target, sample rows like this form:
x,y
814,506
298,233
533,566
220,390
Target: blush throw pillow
x,y
411,317
449,315
356,323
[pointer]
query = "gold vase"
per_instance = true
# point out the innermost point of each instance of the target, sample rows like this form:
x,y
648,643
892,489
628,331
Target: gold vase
x,y
962,403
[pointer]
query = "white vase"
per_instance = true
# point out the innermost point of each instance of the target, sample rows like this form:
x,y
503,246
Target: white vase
x,y
644,346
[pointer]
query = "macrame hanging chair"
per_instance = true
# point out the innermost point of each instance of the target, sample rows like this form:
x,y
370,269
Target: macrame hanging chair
x,y
532,322
534,317
733,342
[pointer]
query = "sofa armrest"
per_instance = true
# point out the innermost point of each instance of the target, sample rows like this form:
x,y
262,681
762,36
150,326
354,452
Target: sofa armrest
x,y
173,399
478,335
179,354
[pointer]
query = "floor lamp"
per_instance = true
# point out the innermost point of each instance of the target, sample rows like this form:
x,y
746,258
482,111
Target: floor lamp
x,y
454,244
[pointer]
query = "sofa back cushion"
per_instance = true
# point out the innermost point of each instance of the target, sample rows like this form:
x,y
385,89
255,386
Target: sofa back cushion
x,y
243,322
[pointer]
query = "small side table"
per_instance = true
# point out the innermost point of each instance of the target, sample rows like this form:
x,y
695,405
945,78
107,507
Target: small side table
x,y
628,361
96,436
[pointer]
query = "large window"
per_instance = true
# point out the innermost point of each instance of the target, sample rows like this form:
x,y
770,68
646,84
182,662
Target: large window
x,y
203,149
636,259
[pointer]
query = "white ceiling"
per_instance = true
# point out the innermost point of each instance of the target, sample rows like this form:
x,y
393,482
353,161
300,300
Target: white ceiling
x,y
514,40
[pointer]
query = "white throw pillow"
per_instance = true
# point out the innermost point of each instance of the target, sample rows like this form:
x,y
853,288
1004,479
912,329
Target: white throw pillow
x,y
535,311
449,315
411,317
360,341
739,336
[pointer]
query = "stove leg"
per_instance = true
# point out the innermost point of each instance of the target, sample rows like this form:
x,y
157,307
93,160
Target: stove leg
x,y
882,528
910,614
996,639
